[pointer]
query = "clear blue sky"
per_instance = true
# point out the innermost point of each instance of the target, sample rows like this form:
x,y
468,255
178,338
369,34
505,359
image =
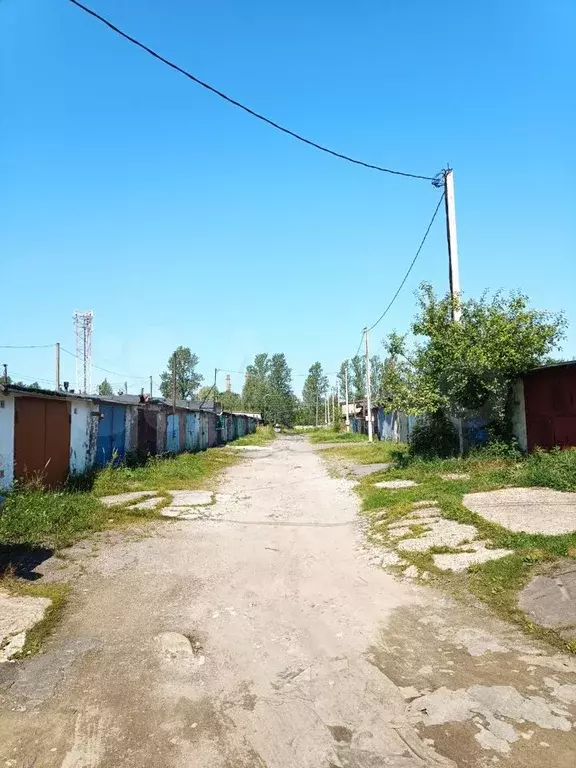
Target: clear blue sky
x,y
128,190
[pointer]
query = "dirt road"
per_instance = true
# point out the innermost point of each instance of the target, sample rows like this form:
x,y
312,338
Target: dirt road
x,y
262,635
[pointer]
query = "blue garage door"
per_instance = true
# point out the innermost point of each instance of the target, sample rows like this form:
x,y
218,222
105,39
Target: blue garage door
x,y
111,434
192,431
173,433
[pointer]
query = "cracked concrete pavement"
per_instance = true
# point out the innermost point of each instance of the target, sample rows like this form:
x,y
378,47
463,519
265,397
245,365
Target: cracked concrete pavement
x,y
261,635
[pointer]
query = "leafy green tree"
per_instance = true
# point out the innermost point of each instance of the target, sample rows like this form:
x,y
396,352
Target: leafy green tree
x,y
375,378
254,393
358,378
471,364
279,405
187,379
105,388
313,393
231,401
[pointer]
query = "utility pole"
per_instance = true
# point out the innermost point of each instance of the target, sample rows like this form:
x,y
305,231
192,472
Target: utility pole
x,y
368,391
454,271
347,404
5,374
125,387
57,366
317,403
173,384
338,409
150,386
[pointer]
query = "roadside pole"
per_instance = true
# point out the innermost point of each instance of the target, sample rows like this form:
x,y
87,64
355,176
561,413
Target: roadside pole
x,y
317,404
453,266
338,408
174,384
347,406
368,389
150,386
57,366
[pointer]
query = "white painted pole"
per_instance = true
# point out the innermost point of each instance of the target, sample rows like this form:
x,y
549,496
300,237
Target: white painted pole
x,y
454,271
347,404
454,268
368,388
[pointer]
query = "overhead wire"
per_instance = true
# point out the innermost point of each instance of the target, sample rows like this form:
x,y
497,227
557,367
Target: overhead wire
x,y
106,370
383,315
27,346
238,104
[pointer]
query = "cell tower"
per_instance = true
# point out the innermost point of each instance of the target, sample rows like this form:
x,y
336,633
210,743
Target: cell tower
x,y
83,333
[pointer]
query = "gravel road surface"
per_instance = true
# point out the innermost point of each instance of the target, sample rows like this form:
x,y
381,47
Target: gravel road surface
x,y
254,637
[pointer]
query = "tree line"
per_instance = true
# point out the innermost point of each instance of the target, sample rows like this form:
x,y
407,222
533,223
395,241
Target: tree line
x,y
438,367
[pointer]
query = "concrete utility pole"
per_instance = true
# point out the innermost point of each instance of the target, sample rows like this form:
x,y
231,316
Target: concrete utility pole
x,y
338,409
5,373
174,385
125,387
150,386
57,366
317,403
368,390
454,270
347,404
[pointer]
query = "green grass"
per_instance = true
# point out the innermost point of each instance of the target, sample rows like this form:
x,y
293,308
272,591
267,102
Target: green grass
x,y
57,519
162,473
262,436
496,582
363,452
329,435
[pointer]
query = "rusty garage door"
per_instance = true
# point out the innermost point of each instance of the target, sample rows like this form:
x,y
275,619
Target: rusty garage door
x,y
42,439
550,397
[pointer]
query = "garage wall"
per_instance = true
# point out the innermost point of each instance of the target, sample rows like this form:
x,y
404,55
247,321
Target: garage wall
x,y
6,440
80,436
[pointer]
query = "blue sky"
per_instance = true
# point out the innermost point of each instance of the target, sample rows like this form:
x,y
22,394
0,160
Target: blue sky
x,y
178,219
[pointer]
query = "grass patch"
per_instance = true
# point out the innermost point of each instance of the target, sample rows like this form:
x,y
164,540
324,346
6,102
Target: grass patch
x,y
496,582
57,519
57,593
329,435
186,471
363,452
262,436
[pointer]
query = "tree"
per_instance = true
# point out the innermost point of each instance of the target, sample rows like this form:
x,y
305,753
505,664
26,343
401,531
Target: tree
x,y
279,406
256,384
375,378
313,392
231,401
105,388
471,364
187,380
358,378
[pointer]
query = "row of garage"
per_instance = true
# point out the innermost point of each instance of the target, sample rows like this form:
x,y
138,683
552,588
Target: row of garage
x,y
56,434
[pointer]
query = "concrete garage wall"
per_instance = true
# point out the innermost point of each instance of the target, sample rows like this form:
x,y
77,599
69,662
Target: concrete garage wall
x,y
80,436
6,440
518,415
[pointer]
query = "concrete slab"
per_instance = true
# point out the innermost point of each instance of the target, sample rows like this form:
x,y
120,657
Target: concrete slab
x,y
148,504
550,600
528,510
444,533
462,561
172,511
17,616
191,498
124,498
395,484
361,470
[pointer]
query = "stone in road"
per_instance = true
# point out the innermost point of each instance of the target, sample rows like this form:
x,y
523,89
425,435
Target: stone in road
x,y
263,637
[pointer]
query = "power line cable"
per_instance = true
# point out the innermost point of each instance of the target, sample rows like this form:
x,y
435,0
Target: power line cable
x,y
232,101
106,370
29,346
410,267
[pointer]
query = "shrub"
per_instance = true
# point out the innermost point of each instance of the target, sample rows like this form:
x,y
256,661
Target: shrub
x,y
434,436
